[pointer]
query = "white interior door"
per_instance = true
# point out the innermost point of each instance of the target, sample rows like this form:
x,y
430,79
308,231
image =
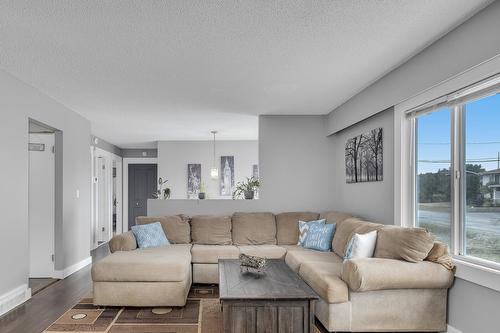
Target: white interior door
x,y
41,205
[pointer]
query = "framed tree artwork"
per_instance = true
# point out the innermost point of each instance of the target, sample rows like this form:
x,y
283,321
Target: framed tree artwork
x,y
226,176
193,180
364,157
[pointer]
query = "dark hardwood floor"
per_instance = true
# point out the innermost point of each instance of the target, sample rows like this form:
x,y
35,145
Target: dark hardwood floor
x,y
49,304
38,284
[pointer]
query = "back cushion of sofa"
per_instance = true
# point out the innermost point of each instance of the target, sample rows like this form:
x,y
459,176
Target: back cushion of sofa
x,y
177,230
410,244
287,226
346,229
334,216
254,228
211,230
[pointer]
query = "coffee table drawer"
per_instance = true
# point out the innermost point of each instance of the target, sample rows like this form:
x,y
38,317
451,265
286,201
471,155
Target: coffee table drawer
x,y
269,316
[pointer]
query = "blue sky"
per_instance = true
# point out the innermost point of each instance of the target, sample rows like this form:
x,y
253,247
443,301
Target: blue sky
x,y
482,135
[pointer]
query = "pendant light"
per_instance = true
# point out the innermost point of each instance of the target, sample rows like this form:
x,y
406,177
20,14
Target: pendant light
x,y
214,172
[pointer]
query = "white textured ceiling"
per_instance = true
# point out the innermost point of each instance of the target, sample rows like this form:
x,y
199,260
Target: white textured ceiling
x,y
143,71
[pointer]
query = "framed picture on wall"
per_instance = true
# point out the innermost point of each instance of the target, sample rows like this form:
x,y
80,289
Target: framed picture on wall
x,y
255,174
193,180
364,157
226,179
255,171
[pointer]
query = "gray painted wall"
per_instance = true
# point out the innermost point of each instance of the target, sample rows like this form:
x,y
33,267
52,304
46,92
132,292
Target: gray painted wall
x,y
105,145
468,45
139,153
18,102
373,200
473,308
174,156
296,165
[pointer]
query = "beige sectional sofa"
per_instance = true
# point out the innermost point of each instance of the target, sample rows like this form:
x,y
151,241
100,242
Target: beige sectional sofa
x,y
360,295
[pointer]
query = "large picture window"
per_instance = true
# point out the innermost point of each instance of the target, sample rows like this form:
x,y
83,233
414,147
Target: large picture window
x,y
457,173
433,170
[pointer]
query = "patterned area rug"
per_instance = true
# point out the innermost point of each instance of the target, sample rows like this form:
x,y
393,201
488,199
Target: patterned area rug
x,y
201,314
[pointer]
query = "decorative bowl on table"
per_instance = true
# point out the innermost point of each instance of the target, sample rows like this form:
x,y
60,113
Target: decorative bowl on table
x,y
252,264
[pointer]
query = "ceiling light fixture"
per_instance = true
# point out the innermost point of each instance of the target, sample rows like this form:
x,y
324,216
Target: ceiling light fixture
x,y
214,172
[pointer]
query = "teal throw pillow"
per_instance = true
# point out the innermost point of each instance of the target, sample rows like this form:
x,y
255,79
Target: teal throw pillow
x,y
319,237
150,235
304,227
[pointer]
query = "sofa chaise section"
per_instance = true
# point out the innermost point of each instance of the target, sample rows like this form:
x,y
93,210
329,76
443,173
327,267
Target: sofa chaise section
x,y
144,277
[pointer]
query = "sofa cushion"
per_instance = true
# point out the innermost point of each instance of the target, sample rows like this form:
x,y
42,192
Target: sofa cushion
x,y
378,274
410,244
304,230
296,257
211,229
325,280
210,254
287,226
334,216
177,230
264,251
254,228
161,264
150,235
293,248
123,242
346,229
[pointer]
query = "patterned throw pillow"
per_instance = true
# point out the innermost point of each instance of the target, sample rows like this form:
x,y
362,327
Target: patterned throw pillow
x,y
150,235
361,246
319,237
304,227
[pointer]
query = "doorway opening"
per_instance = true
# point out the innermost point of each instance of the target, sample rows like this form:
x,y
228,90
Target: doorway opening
x,y
142,183
41,205
107,196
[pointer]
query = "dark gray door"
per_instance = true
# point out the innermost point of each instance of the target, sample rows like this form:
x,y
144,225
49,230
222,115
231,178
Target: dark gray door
x,y
141,186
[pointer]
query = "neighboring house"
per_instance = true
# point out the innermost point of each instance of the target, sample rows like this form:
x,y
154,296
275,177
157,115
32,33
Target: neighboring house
x,y
492,180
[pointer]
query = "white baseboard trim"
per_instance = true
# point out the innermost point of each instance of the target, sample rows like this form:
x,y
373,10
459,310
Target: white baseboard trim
x,y
62,274
13,298
452,329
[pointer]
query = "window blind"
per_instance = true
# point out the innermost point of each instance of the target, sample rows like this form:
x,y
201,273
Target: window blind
x,y
477,90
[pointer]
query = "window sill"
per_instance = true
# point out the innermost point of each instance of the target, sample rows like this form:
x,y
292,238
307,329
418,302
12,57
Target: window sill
x,y
478,274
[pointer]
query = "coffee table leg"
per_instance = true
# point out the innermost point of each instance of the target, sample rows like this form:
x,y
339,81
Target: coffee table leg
x,y
311,315
226,317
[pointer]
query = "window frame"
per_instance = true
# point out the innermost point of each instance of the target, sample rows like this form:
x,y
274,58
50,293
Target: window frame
x,y
458,172
476,270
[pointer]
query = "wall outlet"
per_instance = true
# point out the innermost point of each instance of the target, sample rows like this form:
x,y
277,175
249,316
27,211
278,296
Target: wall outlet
x,y
77,194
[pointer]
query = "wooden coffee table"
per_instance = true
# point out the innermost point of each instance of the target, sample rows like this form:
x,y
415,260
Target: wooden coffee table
x,y
275,301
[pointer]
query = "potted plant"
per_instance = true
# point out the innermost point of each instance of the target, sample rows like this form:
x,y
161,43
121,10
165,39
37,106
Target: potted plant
x,y
162,193
201,194
246,188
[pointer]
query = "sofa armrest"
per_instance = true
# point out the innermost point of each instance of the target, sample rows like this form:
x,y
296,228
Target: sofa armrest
x,y
379,274
123,242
